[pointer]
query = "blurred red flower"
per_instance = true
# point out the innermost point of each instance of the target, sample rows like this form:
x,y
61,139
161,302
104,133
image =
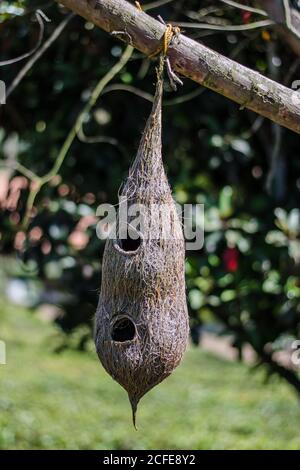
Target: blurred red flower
x,y
246,16
231,259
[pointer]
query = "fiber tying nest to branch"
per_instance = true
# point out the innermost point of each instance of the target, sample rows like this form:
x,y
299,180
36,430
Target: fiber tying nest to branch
x,y
141,321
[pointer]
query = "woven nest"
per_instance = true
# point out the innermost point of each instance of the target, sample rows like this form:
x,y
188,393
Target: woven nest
x,y
142,321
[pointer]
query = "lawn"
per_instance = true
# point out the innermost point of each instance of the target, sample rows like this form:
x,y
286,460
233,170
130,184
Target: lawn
x,y
66,400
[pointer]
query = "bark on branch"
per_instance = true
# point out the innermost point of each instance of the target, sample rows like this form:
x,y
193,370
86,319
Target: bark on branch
x,y
195,61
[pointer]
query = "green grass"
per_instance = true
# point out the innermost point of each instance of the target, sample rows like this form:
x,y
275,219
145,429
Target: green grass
x,y
67,401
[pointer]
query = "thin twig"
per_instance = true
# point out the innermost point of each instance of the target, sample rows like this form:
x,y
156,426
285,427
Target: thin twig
x,y
148,97
184,98
80,119
38,54
244,7
275,175
292,70
255,126
157,4
41,17
26,172
203,13
87,139
275,155
41,181
131,89
238,27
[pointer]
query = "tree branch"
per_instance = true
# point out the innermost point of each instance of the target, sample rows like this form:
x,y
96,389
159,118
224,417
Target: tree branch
x,y
287,19
195,61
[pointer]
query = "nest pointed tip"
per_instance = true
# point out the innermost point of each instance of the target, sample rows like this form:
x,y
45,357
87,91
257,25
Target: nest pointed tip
x,y
134,404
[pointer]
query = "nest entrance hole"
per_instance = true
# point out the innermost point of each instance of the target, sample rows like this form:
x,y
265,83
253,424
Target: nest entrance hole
x,y
123,330
131,242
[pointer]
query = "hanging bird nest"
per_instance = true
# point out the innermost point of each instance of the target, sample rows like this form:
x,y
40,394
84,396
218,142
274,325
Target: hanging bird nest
x,y
142,321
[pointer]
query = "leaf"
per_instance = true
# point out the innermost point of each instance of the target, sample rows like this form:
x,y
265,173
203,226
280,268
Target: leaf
x,y
196,299
228,295
225,203
241,146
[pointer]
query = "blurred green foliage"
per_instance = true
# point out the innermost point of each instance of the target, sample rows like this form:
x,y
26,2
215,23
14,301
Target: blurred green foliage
x,y
11,9
246,277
